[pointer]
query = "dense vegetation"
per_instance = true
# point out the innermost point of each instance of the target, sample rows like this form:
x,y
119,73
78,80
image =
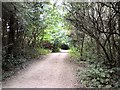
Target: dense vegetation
x,y
90,30
96,38
30,30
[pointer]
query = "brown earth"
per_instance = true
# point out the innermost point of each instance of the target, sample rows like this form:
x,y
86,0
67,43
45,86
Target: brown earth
x,y
53,71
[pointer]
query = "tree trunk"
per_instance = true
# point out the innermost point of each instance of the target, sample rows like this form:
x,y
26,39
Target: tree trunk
x,y
82,45
11,34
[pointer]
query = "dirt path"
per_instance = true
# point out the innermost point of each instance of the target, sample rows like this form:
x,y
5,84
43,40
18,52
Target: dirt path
x,y
54,71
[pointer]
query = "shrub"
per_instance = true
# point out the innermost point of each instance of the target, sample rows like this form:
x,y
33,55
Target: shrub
x,y
43,51
96,76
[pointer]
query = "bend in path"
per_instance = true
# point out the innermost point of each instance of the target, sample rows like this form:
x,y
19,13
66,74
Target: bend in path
x,y
54,71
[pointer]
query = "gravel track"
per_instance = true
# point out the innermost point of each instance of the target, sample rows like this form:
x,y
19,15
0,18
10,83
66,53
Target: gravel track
x,y
53,71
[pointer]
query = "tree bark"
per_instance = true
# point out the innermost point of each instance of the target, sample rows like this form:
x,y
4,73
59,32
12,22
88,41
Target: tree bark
x,y
11,34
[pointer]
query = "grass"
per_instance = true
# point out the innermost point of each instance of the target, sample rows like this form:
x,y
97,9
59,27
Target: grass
x,y
43,51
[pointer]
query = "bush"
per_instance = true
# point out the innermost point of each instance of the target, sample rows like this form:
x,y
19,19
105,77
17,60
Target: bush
x,y
96,76
10,64
43,51
74,52
13,61
55,49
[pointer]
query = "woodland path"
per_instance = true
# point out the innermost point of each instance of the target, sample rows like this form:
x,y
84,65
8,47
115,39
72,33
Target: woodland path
x,y
53,71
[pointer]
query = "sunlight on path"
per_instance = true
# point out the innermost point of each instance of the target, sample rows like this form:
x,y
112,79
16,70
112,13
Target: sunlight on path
x,y
64,51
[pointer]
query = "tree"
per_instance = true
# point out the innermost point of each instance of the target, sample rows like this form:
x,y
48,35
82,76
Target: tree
x,y
91,19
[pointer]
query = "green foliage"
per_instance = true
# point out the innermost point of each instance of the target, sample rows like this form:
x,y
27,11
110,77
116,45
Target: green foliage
x,y
55,32
95,72
97,76
43,51
26,26
11,64
74,53
56,49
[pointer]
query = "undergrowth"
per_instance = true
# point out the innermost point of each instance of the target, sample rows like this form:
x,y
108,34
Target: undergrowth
x,y
96,74
14,62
